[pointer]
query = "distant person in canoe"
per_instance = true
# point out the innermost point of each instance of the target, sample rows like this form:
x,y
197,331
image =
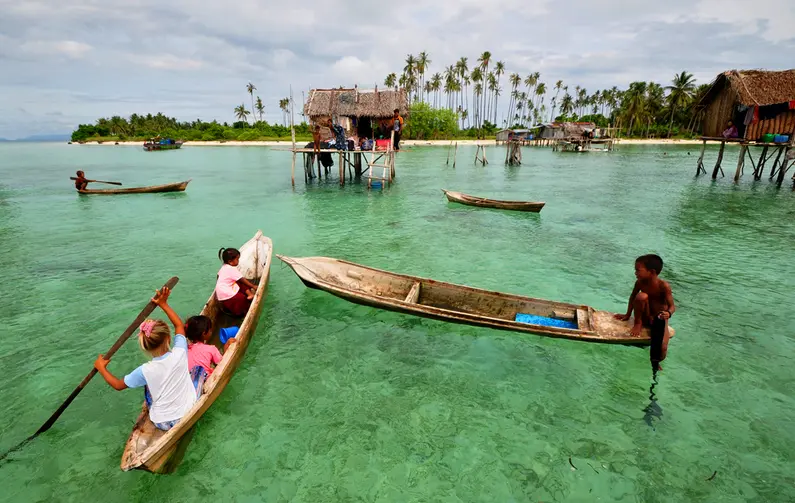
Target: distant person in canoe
x,y
232,290
199,330
652,303
81,182
169,389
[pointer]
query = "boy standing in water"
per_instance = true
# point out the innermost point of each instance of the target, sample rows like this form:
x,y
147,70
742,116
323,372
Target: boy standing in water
x,y
652,303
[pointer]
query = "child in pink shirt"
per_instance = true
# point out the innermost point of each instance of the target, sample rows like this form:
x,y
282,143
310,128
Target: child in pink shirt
x,y
199,330
232,290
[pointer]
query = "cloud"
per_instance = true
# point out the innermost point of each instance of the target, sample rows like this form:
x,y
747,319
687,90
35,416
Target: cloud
x,y
193,58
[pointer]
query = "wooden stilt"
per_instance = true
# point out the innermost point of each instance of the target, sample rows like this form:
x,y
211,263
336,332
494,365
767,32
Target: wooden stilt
x,y
455,153
760,166
775,163
292,170
357,164
700,165
341,169
782,171
720,158
740,163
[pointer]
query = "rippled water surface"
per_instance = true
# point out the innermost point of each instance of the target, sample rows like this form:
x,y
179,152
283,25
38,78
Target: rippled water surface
x,y
339,402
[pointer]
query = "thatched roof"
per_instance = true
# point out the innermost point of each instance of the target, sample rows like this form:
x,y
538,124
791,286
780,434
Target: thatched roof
x,y
356,103
754,87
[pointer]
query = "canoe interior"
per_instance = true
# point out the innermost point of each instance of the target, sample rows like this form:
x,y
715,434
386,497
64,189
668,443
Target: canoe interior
x,y
459,303
255,266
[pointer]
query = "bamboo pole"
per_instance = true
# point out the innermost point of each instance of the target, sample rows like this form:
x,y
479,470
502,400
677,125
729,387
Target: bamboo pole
x,y
455,153
292,134
700,163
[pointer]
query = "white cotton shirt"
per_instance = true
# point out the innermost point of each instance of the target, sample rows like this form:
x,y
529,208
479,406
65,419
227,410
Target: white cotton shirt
x,y
169,383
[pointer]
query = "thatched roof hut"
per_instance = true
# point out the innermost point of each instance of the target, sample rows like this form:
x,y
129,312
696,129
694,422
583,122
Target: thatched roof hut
x,y
361,112
767,94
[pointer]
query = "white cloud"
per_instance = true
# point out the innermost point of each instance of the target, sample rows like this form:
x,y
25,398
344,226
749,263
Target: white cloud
x,y
192,58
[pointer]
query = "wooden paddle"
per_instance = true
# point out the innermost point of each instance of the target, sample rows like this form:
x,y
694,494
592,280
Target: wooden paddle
x,y
126,335
97,181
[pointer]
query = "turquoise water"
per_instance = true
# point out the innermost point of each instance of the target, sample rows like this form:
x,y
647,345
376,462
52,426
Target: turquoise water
x,y
339,402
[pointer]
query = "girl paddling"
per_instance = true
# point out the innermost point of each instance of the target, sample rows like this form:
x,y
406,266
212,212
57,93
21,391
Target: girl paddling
x,y
170,391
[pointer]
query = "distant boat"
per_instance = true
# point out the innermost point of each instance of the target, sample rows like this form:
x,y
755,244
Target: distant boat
x,y
168,187
458,197
158,143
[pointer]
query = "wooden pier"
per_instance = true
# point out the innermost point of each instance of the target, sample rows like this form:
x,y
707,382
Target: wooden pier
x,y
780,153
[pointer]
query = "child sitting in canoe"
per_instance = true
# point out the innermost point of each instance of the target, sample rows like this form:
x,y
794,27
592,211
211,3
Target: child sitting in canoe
x,y
232,290
199,330
170,391
81,182
653,304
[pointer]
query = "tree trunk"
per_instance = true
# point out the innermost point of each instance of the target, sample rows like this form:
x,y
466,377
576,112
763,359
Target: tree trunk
x,y
671,123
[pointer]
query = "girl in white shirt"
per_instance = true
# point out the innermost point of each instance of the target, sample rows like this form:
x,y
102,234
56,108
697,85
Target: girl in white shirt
x,y
170,390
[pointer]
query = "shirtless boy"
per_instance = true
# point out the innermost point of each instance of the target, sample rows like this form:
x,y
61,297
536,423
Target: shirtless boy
x,y
652,303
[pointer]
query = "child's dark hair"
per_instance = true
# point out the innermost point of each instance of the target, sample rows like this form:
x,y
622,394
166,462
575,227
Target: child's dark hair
x,y
196,326
228,254
651,262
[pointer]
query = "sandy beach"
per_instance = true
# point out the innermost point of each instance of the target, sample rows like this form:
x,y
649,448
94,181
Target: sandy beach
x,y
408,143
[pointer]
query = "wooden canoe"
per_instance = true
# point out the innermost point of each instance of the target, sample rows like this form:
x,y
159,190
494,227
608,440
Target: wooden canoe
x,y
168,187
457,303
158,451
459,197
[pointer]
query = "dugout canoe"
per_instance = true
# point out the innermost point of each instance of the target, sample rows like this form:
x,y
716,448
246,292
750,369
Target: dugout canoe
x,y
158,451
168,187
460,197
458,303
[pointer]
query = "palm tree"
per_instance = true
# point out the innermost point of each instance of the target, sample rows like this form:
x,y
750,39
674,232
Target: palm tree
x,y
681,91
462,67
436,82
558,85
251,88
423,61
477,77
409,71
636,101
284,104
390,80
541,90
484,60
260,108
566,104
241,113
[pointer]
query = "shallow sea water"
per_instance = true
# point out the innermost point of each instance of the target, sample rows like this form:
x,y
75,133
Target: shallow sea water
x,y
340,402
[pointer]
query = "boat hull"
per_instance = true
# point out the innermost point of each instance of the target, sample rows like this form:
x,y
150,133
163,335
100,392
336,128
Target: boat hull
x,y
157,451
459,303
461,198
168,187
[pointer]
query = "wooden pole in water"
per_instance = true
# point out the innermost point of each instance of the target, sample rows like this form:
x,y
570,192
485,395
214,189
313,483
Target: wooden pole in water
x,y
720,158
292,135
740,163
700,163
455,153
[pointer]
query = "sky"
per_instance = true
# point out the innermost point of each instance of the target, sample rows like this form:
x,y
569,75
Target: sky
x,y
68,62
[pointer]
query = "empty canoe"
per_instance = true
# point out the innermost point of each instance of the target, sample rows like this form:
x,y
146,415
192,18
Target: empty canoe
x,y
155,450
462,304
168,187
459,197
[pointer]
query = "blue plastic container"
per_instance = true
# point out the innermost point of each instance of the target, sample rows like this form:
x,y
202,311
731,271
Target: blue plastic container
x,y
534,319
227,333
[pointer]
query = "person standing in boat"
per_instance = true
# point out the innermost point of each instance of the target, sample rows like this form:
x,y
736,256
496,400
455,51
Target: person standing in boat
x,y
397,127
169,389
652,303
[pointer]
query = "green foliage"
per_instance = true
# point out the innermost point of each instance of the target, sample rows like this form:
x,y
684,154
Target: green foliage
x,y
140,127
598,119
428,123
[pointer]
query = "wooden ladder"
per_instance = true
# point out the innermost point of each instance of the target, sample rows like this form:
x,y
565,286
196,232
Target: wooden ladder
x,y
387,167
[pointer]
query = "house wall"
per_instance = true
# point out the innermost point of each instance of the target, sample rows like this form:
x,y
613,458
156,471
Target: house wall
x,y
782,124
719,112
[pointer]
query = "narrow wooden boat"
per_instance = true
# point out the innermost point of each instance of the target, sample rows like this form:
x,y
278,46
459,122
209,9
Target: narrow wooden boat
x,y
461,304
157,143
459,197
168,187
158,451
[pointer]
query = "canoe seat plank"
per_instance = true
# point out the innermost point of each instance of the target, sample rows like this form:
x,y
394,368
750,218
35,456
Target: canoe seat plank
x,y
414,293
564,315
583,320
